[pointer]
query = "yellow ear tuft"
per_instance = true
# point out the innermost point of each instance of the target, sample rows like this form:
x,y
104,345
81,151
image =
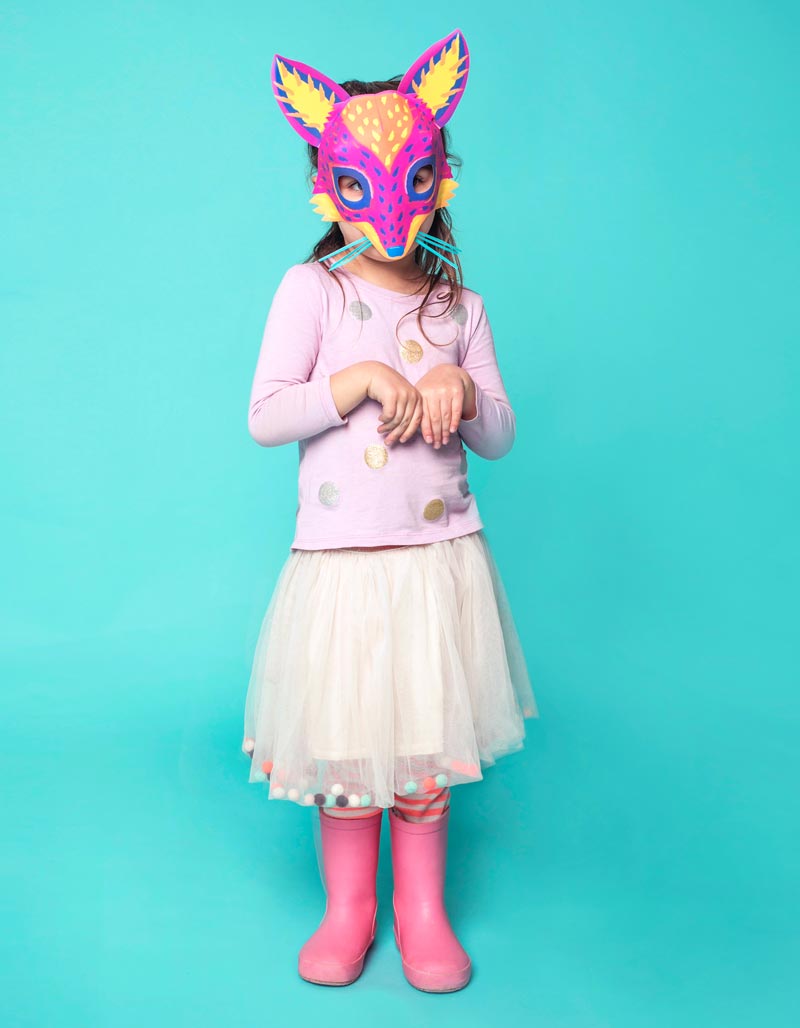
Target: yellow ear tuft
x,y
325,207
438,83
446,189
312,106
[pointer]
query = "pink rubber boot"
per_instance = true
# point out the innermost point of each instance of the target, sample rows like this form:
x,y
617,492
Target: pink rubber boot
x,y
433,958
334,955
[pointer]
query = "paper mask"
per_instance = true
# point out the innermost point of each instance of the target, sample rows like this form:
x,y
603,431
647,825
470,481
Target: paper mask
x,y
381,140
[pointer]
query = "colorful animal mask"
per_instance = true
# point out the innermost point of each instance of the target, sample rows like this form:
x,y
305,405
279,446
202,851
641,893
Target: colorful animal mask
x,y
381,140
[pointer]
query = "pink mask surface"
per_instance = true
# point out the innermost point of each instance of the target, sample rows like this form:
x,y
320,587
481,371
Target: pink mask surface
x,y
380,140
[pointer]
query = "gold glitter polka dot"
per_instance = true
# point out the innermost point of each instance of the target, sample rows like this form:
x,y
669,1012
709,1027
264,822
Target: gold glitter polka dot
x,y
376,455
433,509
411,351
328,494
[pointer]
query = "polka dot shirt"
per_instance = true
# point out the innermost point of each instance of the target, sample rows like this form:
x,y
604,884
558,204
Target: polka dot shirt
x,y
352,489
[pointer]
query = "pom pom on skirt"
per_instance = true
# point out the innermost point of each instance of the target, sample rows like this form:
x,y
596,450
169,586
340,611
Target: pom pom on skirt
x,y
385,671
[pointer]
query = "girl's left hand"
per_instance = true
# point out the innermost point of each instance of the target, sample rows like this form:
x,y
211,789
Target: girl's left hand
x,y
448,393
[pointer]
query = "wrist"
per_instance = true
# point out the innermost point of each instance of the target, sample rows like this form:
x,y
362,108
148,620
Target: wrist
x,y
469,411
368,370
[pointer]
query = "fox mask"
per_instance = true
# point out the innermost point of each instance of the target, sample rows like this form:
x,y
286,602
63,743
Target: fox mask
x,y
381,141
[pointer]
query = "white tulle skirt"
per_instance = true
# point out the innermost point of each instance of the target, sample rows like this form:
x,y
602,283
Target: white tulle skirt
x,y
385,671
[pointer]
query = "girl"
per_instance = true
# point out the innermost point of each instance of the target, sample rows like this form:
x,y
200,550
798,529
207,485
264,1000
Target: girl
x,y
388,667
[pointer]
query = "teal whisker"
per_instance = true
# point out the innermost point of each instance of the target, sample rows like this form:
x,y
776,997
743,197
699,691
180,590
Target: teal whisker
x,y
436,241
436,253
365,244
347,246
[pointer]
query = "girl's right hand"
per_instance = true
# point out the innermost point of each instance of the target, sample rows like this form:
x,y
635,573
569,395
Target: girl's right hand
x,y
401,402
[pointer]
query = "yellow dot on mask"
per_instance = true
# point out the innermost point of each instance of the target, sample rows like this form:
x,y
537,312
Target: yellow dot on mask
x,y
359,109
376,136
391,135
376,149
369,105
361,130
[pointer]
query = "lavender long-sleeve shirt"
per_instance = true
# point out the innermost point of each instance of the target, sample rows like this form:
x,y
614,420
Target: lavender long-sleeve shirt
x,y
352,489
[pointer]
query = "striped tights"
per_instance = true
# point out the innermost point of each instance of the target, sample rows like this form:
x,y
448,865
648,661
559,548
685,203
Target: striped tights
x,y
421,807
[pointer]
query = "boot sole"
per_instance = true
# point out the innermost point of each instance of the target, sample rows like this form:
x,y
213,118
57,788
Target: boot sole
x,y
358,967
428,981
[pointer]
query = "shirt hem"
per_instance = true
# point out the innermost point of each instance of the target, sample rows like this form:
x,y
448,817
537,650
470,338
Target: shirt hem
x,y
388,538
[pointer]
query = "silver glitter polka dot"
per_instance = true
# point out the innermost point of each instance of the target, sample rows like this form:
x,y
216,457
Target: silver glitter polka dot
x,y
328,494
360,311
459,314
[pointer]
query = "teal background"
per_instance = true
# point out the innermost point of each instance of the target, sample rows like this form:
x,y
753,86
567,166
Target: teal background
x,y
629,212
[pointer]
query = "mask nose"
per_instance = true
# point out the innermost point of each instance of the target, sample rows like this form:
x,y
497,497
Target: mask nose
x,y
395,251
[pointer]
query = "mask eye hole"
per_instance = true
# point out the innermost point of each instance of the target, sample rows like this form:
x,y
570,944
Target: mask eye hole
x,y
421,179
352,188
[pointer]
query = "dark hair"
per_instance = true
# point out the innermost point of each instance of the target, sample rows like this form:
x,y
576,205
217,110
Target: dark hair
x,y
442,225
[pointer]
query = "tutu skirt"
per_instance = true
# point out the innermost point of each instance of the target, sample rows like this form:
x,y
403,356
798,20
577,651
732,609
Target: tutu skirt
x,y
385,671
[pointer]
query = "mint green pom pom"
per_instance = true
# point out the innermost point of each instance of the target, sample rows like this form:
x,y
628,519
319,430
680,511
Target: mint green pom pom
x,y
330,800
441,780
411,786
366,800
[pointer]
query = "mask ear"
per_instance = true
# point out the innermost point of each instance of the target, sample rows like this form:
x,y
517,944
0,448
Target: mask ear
x,y
438,78
305,96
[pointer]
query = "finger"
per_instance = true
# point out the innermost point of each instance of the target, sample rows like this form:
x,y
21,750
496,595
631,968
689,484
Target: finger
x,y
389,412
456,408
413,425
436,422
404,415
397,407
427,431
442,408
446,408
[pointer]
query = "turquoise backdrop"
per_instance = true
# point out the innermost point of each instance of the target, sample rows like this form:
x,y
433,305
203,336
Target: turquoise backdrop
x,y
629,211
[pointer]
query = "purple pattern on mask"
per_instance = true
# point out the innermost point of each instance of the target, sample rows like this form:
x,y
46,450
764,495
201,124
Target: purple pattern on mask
x,y
392,207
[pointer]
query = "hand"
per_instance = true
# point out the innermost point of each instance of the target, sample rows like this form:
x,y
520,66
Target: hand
x,y
448,393
401,402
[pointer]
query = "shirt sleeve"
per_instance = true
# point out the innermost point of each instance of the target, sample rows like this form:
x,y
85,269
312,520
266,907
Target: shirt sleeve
x,y
284,405
492,431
